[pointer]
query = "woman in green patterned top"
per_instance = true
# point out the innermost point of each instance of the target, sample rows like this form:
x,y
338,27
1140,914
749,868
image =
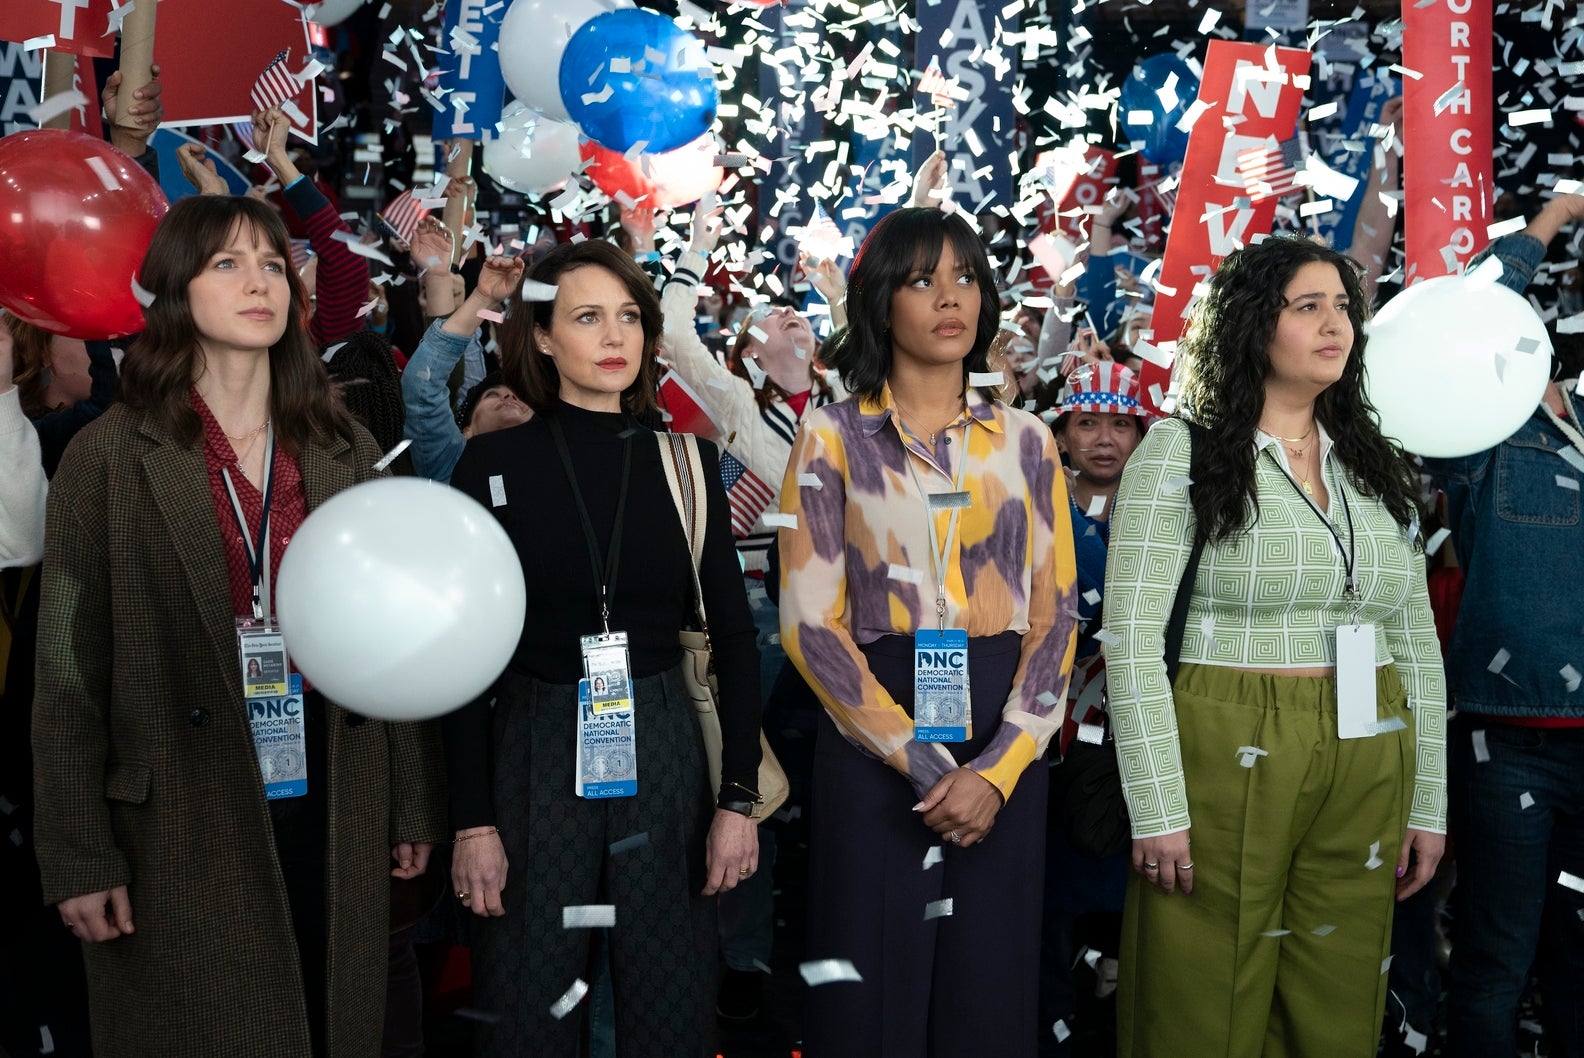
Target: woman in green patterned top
x,y
1305,785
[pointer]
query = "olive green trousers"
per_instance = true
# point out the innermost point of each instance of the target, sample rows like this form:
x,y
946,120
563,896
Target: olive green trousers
x,y
1283,946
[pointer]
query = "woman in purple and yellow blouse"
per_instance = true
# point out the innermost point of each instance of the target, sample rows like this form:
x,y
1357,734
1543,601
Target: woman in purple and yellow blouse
x,y
942,926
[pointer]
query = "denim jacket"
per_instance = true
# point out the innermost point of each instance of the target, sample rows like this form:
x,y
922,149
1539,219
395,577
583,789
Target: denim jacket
x,y
1519,533
431,424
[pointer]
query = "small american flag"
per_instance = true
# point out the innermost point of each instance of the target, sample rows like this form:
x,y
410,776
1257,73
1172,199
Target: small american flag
x,y
746,493
276,84
403,214
1270,171
943,93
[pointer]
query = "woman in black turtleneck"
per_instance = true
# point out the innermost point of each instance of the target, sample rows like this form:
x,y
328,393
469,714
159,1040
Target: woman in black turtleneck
x,y
526,845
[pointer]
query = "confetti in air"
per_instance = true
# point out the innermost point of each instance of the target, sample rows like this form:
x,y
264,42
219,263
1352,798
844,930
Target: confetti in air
x,y
828,971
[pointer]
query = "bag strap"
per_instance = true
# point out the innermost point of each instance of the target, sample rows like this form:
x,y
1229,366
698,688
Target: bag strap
x,y
1178,625
685,475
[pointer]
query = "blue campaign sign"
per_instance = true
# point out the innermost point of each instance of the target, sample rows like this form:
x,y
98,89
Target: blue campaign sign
x,y
1369,95
472,88
21,73
979,132
165,143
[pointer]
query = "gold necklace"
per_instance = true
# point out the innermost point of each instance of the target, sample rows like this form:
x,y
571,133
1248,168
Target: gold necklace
x,y
933,434
251,433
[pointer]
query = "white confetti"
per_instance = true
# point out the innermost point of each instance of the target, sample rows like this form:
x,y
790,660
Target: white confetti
x,y
1499,662
1529,117
1413,1038
571,998
46,1040
1176,483
1047,699
1505,227
1386,964
1094,734
533,290
1565,482
1249,754
1092,597
1571,881
988,379
780,521
1097,507
905,574
1277,933
1571,675
627,844
1481,751
1526,800
1323,931
828,971
1437,538
390,457
932,856
1061,1031
1386,726
1374,861
810,481
56,105
361,248
39,43
938,909
142,296
102,171
588,916
1107,637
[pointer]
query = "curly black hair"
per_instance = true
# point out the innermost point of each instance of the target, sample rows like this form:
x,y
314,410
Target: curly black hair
x,y
904,243
1226,360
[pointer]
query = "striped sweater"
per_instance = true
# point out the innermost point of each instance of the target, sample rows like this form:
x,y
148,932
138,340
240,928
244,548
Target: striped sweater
x,y
759,440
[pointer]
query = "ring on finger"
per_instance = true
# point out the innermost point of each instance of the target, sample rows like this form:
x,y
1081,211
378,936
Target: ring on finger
x,y
463,895
1152,866
954,837
1185,866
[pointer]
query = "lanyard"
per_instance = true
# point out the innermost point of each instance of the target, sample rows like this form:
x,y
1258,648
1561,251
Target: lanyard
x,y
607,580
1349,554
258,558
939,556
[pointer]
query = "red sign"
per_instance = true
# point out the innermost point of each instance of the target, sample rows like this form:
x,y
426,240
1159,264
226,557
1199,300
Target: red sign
x,y
1253,103
684,410
1447,147
1076,180
212,54
81,27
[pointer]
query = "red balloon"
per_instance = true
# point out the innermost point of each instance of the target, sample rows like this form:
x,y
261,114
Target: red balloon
x,y
674,178
76,217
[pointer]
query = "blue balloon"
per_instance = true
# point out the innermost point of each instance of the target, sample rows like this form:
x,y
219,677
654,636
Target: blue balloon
x,y
1162,141
631,76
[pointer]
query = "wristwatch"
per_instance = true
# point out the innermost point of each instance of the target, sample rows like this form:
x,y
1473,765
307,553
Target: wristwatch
x,y
740,799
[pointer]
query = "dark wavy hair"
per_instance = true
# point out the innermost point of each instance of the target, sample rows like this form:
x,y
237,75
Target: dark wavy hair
x,y
532,375
901,245
1225,349
158,371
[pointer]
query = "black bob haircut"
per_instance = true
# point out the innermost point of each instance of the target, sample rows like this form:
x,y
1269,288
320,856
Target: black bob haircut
x,y
903,244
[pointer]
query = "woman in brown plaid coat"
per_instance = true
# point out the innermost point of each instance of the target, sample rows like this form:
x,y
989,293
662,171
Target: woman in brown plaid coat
x,y
215,921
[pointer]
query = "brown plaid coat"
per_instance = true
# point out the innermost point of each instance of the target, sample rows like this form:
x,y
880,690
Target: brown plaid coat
x,y
146,774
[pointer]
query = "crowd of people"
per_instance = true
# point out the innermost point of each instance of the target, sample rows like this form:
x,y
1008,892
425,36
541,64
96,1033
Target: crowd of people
x,y
939,554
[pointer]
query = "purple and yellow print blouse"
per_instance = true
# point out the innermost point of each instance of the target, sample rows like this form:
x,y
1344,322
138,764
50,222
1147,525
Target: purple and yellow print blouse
x,y
856,566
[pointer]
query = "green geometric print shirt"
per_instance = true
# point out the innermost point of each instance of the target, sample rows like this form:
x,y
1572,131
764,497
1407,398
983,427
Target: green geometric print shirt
x,y
1270,597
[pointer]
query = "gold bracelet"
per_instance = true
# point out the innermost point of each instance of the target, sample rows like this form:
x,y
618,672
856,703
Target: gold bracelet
x,y
750,791
466,837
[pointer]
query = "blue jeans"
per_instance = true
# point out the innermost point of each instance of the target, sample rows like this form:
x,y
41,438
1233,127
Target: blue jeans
x,y
1512,913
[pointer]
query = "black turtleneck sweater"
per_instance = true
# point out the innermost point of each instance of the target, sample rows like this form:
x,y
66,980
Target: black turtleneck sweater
x,y
653,596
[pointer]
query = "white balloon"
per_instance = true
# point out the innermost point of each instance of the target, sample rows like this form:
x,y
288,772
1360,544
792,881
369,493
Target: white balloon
x,y
401,599
533,35
534,154
334,12
1456,364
